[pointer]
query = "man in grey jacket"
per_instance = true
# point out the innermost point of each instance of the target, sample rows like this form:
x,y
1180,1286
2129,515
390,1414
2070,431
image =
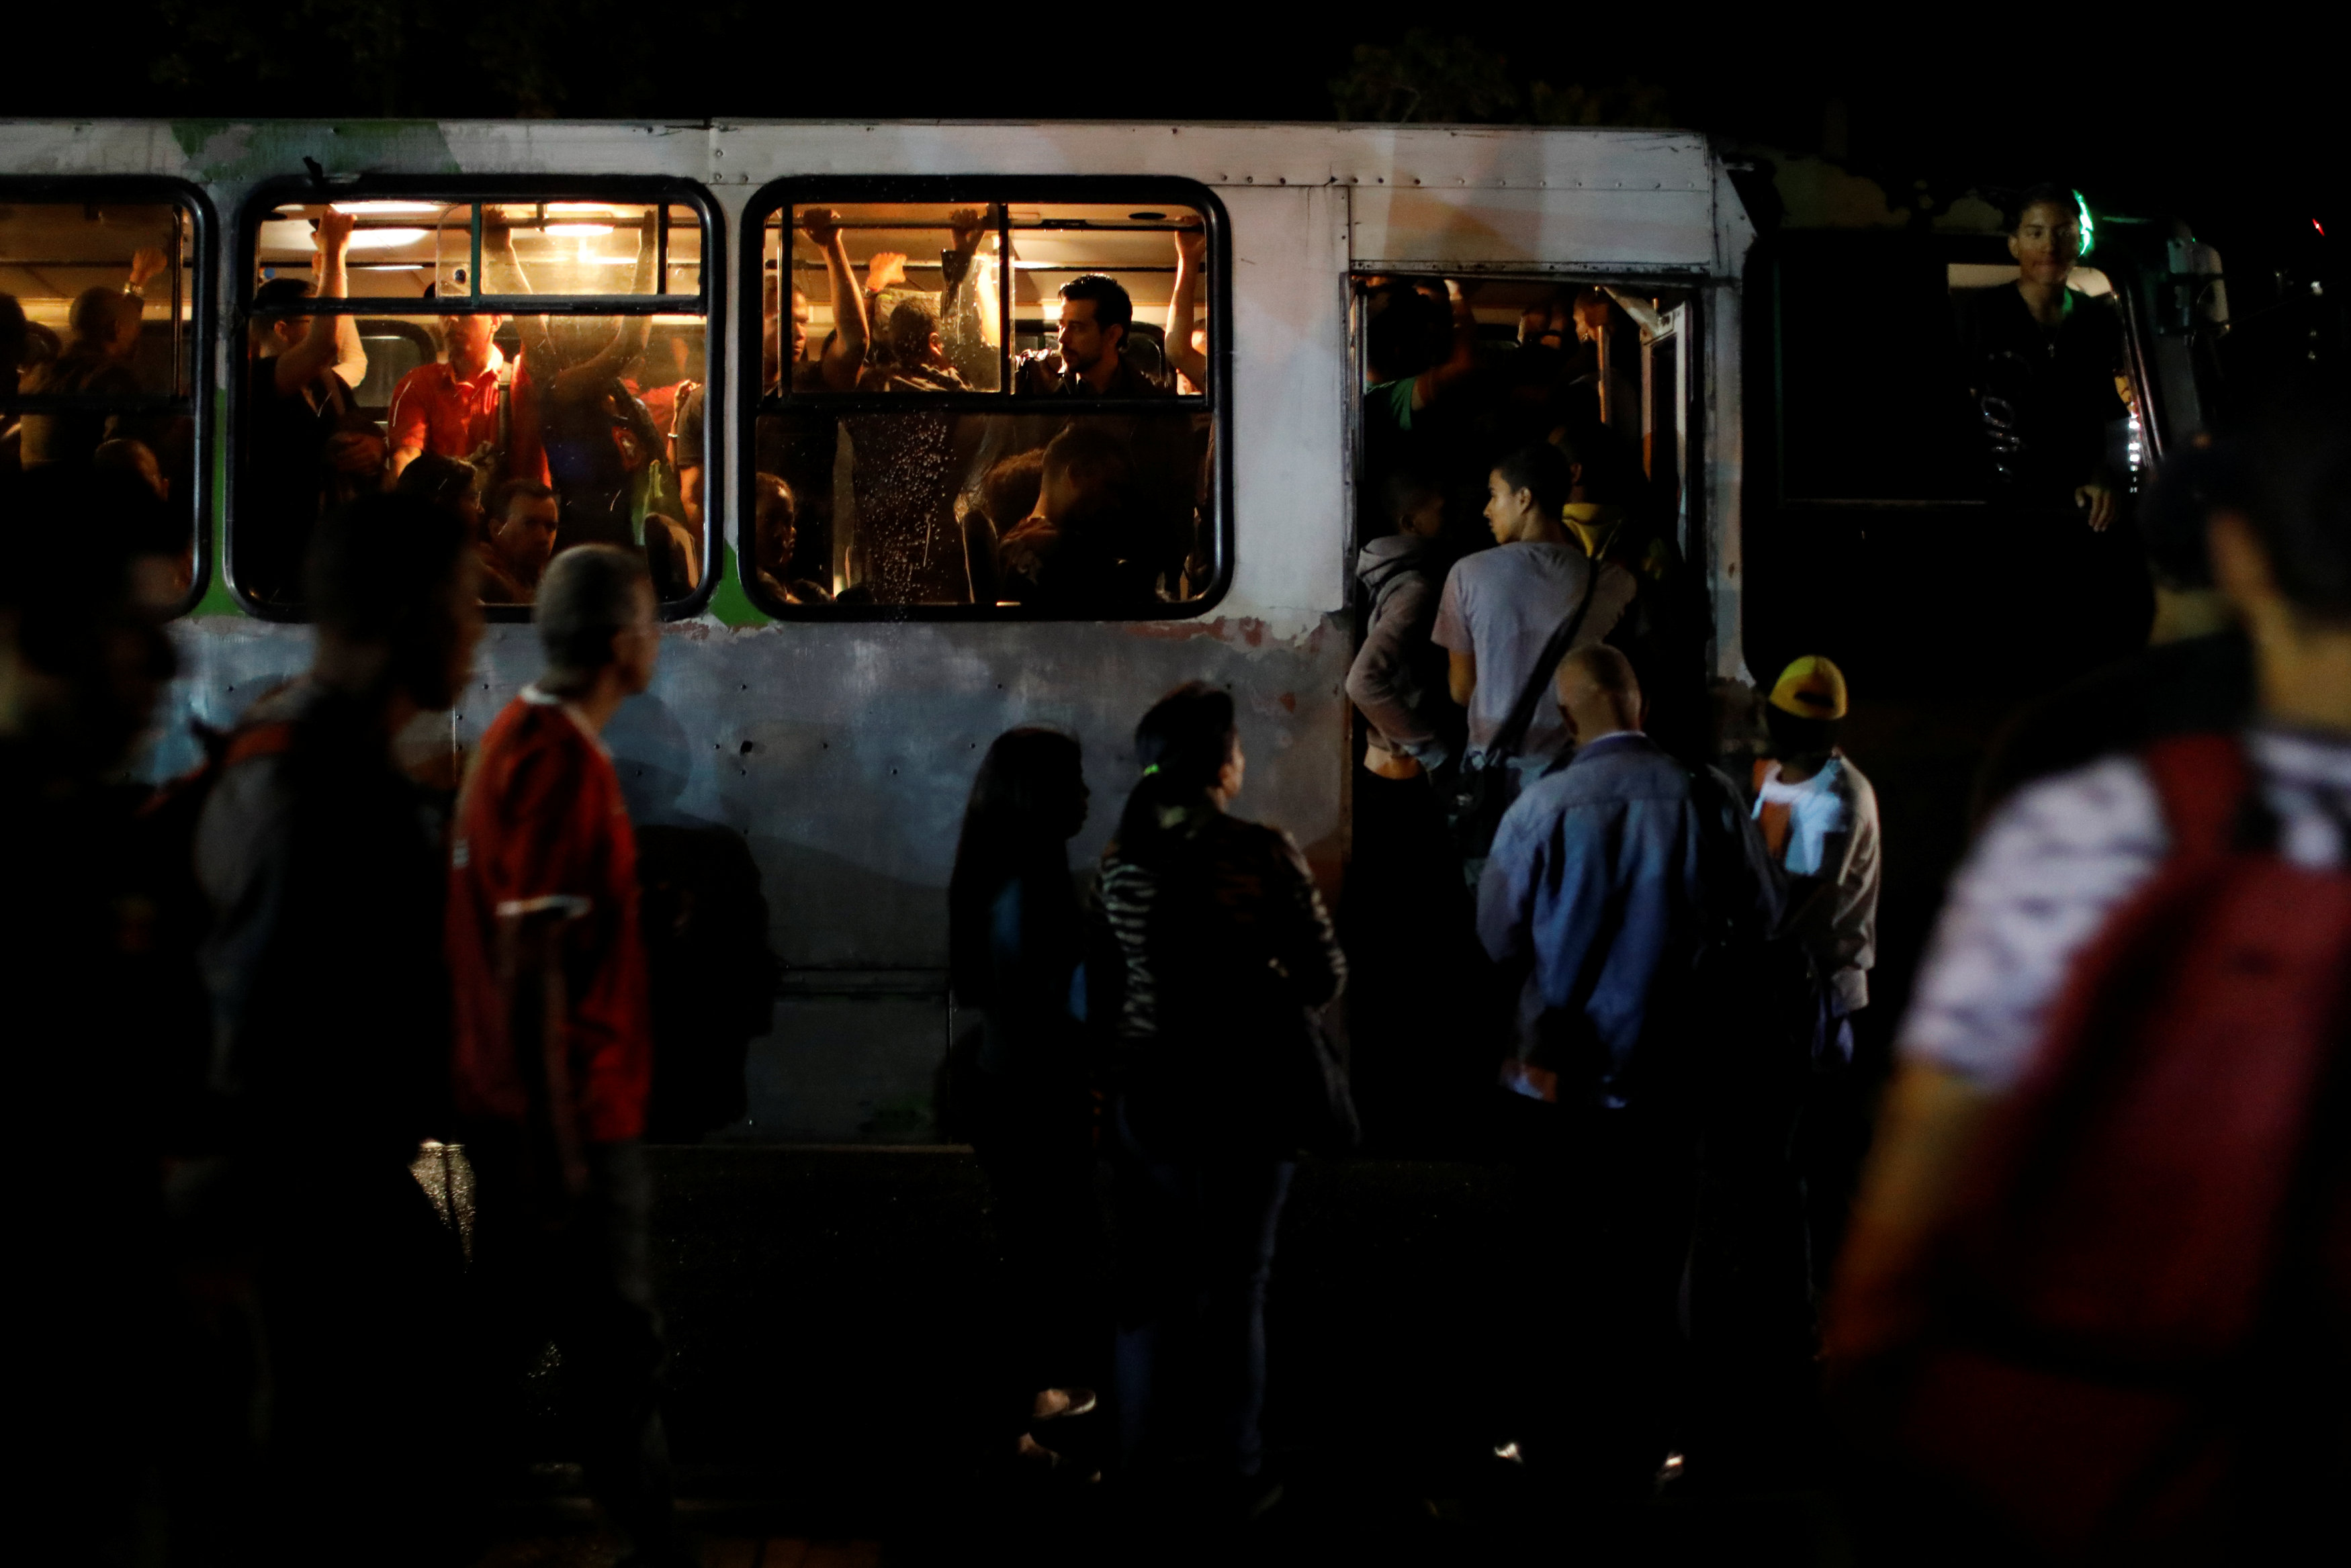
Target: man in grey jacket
x,y
1397,680
1611,879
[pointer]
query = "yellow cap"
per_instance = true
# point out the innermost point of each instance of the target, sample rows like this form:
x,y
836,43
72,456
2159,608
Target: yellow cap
x,y
1811,687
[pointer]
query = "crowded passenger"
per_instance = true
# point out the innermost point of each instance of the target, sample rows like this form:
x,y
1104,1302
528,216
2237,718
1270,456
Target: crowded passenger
x,y
1509,615
524,518
456,406
1016,940
306,449
553,1053
1611,881
1399,681
1097,318
775,523
323,866
1087,547
1222,951
102,338
2105,1187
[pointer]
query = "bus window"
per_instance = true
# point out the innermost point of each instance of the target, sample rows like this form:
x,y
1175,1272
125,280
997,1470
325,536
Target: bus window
x,y
982,405
528,363
101,372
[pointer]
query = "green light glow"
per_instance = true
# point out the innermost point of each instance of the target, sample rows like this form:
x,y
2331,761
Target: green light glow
x,y
2089,228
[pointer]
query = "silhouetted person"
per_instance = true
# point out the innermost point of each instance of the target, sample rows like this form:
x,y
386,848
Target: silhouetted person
x,y
1223,947
554,1053
1017,941
304,447
323,864
82,667
1609,879
102,341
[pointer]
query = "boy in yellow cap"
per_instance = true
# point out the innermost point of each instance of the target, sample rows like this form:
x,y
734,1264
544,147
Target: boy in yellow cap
x,y
1819,819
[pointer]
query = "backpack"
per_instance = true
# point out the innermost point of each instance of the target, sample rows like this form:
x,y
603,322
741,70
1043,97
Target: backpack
x,y
2109,1319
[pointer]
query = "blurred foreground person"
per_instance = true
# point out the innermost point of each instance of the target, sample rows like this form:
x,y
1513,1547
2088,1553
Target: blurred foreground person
x,y
1610,878
2095,1304
322,861
79,675
1018,942
1223,948
554,1057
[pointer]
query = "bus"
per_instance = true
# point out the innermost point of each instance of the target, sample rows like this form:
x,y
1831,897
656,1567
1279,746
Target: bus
x,y
830,678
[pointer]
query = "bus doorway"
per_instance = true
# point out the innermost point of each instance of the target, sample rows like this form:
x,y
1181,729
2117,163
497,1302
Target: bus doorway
x,y
1459,373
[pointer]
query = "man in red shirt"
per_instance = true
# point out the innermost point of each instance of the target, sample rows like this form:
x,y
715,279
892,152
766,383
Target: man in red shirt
x,y
554,1041
449,408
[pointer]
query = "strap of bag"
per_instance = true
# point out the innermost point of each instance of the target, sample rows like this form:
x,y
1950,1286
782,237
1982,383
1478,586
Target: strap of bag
x,y
1506,739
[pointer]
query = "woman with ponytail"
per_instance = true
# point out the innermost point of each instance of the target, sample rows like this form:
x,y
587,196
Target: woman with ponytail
x,y
1222,950
1016,944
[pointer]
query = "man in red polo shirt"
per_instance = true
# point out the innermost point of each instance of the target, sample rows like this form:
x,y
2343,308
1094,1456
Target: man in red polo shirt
x,y
554,1040
449,408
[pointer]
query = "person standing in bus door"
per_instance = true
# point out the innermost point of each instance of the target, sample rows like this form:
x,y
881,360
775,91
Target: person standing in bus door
x,y
321,861
1501,608
2043,358
553,1062
1222,950
1016,936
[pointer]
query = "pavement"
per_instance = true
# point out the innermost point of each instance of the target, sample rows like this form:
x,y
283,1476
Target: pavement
x,y
829,1313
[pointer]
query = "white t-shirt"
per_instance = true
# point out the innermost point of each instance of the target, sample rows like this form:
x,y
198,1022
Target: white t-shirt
x,y
1833,835
1502,605
2054,863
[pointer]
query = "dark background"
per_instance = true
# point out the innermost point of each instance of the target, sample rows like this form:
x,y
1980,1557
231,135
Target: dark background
x,y
2229,122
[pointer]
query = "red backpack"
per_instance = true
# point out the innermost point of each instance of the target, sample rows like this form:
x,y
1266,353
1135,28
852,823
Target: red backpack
x,y
2114,1318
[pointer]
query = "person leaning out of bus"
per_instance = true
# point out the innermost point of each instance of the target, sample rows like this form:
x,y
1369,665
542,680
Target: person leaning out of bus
x,y
1222,945
1016,938
2043,356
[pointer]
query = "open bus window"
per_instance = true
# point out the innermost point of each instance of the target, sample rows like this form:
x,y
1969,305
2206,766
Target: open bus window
x,y
982,404
528,363
99,303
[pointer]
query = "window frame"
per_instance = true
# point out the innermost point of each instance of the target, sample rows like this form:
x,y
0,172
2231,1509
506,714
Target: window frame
x,y
1009,189
664,190
199,404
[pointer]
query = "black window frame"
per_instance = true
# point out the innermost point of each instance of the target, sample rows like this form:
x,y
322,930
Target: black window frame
x,y
652,189
204,287
981,190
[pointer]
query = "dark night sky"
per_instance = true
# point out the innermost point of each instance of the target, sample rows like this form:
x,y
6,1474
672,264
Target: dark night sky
x,y
2236,131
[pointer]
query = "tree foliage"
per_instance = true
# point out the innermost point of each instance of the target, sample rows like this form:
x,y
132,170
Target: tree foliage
x,y
1430,81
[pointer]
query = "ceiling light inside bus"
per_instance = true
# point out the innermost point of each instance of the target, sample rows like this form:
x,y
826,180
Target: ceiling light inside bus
x,y
579,230
386,209
386,239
